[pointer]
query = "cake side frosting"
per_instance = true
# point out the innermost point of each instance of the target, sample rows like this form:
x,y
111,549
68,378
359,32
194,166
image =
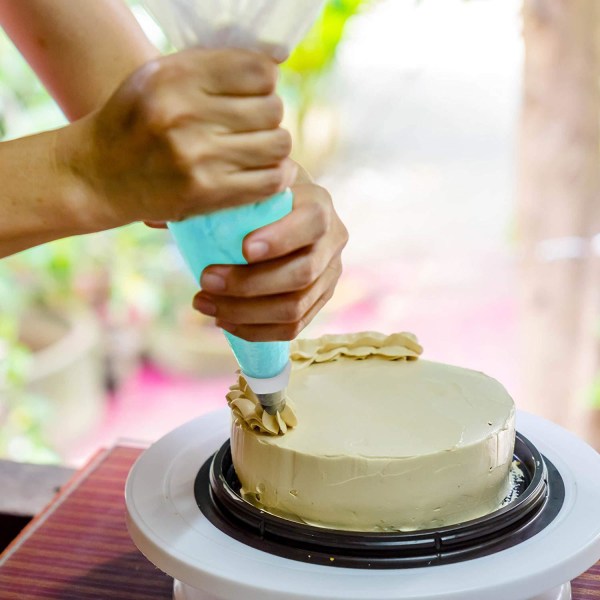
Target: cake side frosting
x,y
380,444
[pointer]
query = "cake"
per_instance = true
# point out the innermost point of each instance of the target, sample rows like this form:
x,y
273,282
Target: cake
x,y
375,439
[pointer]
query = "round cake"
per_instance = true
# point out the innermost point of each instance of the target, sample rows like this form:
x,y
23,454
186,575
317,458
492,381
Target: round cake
x,y
375,439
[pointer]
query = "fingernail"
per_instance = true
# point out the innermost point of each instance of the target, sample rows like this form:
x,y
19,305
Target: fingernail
x,y
257,249
212,282
205,306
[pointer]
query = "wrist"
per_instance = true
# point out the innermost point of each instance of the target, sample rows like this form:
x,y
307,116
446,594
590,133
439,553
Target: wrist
x,y
82,194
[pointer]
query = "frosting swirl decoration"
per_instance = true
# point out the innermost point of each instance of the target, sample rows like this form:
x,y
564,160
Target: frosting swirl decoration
x,y
249,413
398,346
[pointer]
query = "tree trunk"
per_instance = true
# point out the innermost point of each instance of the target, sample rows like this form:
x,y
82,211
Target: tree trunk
x,y
559,211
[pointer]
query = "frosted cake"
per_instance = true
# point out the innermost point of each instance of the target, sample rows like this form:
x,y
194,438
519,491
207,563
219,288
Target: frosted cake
x,y
375,439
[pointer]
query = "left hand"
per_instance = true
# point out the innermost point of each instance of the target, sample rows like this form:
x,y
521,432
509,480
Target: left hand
x,y
294,266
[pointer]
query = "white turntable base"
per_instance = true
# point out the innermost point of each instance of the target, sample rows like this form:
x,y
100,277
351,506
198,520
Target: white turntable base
x,y
167,526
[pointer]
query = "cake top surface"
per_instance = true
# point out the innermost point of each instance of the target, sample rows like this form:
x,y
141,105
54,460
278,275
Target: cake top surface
x,y
381,408
375,400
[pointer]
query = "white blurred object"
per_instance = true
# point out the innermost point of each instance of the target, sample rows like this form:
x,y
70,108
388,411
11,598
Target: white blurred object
x,y
271,26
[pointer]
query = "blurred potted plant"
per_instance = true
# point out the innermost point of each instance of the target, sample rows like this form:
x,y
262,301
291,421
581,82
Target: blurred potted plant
x,y
22,414
61,335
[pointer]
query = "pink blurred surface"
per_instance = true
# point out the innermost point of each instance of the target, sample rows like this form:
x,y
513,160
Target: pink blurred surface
x,y
148,405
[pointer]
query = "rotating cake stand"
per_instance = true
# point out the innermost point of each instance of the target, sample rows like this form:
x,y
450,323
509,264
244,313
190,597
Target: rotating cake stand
x,y
167,525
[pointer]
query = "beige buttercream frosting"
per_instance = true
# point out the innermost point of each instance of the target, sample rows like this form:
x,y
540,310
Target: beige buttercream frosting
x,y
381,443
305,352
248,412
246,408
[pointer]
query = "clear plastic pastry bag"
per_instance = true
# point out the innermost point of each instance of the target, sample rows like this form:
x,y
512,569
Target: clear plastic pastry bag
x,y
271,26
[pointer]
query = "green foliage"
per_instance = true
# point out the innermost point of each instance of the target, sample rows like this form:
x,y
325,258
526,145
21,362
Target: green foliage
x,y
316,53
305,72
22,414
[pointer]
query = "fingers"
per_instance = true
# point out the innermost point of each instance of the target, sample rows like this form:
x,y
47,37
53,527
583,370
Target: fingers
x,y
223,72
258,149
279,317
176,108
279,276
273,298
257,184
276,332
310,220
170,92
239,151
243,114
237,72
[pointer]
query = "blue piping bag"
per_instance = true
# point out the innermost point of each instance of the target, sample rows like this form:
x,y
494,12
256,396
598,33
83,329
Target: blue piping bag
x,y
217,239
273,27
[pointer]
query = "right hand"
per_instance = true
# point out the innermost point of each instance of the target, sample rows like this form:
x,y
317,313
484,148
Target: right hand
x,y
186,134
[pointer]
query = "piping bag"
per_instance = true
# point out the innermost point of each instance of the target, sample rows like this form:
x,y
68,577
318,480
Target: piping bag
x,y
273,27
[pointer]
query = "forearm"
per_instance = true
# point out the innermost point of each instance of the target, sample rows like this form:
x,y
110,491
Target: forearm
x,y
81,50
40,200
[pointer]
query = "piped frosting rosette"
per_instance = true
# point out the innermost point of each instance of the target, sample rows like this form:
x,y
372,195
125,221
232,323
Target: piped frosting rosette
x,y
246,408
248,411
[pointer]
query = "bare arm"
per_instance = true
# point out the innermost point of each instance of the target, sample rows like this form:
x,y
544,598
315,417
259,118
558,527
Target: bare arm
x,y
80,49
180,135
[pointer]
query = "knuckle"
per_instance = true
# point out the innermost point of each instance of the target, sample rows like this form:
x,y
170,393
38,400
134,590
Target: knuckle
x,y
305,273
328,294
149,75
343,229
321,218
155,114
344,235
273,111
295,329
200,184
282,144
272,182
179,154
254,71
262,71
288,331
243,287
338,268
292,310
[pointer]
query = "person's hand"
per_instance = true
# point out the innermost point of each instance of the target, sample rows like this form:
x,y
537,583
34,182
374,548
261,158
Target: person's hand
x,y
186,134
294,266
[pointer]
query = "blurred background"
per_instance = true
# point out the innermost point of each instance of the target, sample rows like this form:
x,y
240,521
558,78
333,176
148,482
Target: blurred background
x,y
460,141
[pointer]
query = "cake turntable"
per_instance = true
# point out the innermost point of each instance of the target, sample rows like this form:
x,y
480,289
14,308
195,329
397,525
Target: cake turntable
x,y
185,515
